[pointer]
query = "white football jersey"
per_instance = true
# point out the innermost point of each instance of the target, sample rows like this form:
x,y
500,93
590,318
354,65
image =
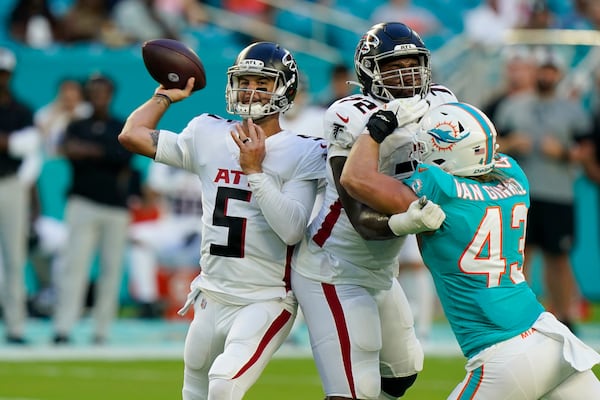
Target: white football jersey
x,y
243,259
332,251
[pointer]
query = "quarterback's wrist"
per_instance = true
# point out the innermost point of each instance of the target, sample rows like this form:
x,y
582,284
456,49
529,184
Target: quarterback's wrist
x,y
163,99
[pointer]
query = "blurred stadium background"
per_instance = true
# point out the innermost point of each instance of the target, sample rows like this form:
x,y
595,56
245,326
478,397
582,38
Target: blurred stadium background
x,y
321,34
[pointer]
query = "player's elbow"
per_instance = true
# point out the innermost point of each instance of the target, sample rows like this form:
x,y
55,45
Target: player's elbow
x,y
126,139
133,140
293,238
294,230
366,233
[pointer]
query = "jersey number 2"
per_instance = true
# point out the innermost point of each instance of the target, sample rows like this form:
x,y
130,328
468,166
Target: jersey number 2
x,y
236,235
490,237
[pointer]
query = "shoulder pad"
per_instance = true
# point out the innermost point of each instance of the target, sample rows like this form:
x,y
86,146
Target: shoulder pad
x,y
439,94
345,119
431,181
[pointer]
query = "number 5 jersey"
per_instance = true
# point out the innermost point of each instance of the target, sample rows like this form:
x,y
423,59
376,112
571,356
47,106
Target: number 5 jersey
x,y
244,258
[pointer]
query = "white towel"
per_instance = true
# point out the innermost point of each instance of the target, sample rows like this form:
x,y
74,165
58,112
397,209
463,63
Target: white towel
x,y
578,354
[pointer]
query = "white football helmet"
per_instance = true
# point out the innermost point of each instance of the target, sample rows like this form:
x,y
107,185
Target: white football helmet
x,y
459,138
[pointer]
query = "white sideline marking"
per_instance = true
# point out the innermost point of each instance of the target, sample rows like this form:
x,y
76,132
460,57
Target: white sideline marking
x,y
112,352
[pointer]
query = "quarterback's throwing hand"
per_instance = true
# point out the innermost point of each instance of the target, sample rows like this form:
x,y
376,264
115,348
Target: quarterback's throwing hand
x,y
421,216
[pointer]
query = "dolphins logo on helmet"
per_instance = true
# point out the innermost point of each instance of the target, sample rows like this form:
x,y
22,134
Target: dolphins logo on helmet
x,y
446,135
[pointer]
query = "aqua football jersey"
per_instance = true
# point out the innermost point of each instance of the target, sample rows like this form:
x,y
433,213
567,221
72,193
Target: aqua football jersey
x,y
476,257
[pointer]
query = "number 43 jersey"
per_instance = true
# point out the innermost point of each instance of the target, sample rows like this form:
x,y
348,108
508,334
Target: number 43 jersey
x,y
243,259
476,257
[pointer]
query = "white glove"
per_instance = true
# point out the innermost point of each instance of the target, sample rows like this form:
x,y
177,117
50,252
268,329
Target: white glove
x,y
422,215
407,110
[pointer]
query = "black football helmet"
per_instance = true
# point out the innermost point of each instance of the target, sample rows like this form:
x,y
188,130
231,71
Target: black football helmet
x,y
386,42
263,59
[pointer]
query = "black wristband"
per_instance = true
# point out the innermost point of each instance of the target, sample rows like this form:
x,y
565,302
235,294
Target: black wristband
x,y
381,124
164,96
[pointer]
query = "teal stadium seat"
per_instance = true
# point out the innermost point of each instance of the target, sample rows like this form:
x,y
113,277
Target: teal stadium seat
x,y
214,3
208,39
449,12
358,8
59,7
344,40
298,24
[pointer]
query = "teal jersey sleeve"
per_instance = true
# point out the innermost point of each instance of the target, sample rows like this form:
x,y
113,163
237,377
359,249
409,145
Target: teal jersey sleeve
x,y
476,257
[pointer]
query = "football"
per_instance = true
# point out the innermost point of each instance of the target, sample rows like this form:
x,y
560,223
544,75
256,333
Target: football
x,y
171,63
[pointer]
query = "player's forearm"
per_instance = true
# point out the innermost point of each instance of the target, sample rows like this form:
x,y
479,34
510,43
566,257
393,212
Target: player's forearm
x,y
286,213
364,182
139,135
372,225
149,114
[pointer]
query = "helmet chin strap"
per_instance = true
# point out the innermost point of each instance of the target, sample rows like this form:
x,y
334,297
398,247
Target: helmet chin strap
x,y
260,117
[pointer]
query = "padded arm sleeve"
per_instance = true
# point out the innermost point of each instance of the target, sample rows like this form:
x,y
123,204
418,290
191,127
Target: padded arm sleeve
x,y
287,210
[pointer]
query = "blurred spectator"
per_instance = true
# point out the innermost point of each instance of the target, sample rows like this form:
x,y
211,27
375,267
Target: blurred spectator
x,y
47,242
49,235
418,18
143,20
53,118
593,13
252,8
257,11
140,20
488,23
170,238
33,23
518,77
89,21
338,87
577,18
588,150
96,215
547,125
191,11
541,16
18,139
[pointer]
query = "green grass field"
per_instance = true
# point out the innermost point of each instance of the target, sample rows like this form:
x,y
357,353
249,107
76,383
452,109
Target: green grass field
x,y
290,379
